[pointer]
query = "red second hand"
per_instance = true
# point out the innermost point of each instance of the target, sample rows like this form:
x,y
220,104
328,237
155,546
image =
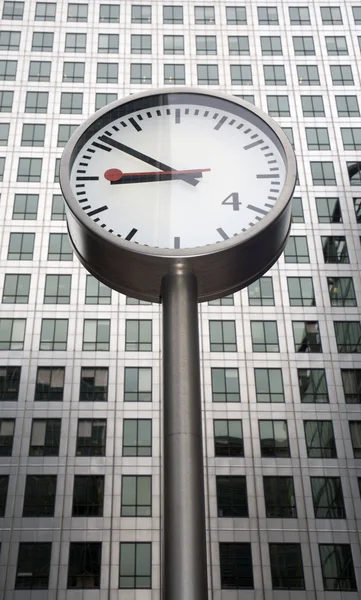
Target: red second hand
x,y
117,174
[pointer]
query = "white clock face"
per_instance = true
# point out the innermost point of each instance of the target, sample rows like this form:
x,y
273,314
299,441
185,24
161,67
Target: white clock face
x,y
178,175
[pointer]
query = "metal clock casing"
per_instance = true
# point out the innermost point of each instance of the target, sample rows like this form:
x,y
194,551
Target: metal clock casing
x,y
223,266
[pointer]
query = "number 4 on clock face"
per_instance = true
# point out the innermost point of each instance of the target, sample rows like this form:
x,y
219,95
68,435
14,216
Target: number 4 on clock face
x,y
232,200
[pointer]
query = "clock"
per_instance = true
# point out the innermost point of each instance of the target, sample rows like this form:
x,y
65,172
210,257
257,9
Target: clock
x,y
178,176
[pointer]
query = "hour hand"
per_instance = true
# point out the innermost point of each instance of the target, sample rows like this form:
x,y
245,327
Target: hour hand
x,y
147,159
116,177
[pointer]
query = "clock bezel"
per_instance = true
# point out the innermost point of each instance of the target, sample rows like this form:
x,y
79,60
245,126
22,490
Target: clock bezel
x,y
84,233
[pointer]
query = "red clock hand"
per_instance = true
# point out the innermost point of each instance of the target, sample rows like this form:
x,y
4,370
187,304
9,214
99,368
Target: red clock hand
x,y
115,175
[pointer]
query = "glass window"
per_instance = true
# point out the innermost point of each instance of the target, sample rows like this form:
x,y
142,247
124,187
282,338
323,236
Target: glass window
x,y
299,15
348,336
8,69
313,386
236,565
286,567
64,133
33,134
96,334
289,132
84,565
58,208
42,41
142,44
356,11
231,496
278,106
135,565
306,336
336,45
351,138
75,42
137,437
323,173
108,72
29,169
222,336
304,45
341,75
301,291
7,427
337,567
274,75
355,431
21,246
327,498
141,13
137,384
269,385
39,70
351,381
308,75
173,44
104,99
59,247
33,568
39,496
260,292
225,301
73,72
225,385
312,106
267,15
274,439
271,45
94,384
25,207
13,10
6,101
57,289
12,334
228,437
71,103
77,12
173,15
174,74
236,15
96,292
9,40
317,138
138,335
88,496
91,437
331,15
205,44
54,334
4,484
328,210
45,437
342,291
238,45
136,496
354,172
109,13
2,168
335,249
36,102
264,336
207,74
241,74
16,289
9,383
141,73
296,250
280,497
45,11
320,439
204,15
347,106
49,385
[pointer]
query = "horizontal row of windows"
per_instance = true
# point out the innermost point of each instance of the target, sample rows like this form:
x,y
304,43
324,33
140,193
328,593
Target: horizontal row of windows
x,y
135,566
50,381
274,440
174,15
222,335
89,491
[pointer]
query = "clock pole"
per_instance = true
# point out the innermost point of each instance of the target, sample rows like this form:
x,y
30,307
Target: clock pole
x,y
184,549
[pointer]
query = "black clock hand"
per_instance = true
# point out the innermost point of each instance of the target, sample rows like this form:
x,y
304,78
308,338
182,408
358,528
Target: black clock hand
x,y
147,159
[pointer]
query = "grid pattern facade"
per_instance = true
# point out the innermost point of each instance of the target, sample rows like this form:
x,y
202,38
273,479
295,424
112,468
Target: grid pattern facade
x,y
80,366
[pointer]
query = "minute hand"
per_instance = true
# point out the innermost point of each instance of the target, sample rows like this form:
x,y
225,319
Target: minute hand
x,y
147,159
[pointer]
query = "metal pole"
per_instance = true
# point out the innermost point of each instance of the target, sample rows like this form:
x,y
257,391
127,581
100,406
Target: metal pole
x,y
185,552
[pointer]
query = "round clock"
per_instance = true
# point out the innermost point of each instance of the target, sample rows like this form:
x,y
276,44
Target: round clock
x,y
178,176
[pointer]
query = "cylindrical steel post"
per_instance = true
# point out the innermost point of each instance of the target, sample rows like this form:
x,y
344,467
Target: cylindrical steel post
x,y
185,551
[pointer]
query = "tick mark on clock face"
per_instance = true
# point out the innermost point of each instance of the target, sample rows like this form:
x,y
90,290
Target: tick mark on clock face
x,y
96,211
253,145
131,234
101,146
256,209
177,242
136,125
88,178
222,233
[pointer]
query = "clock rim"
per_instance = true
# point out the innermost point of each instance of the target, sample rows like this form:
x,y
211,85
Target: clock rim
x,y
72,204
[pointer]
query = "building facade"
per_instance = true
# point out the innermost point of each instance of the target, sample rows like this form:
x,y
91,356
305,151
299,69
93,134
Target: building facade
x,y
80,365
